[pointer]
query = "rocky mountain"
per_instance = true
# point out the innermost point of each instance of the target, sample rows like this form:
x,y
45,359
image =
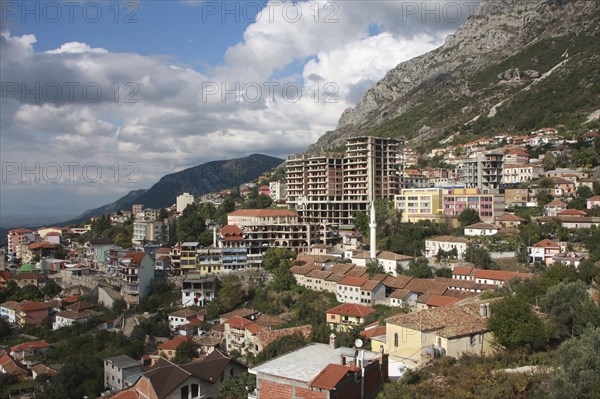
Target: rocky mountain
x,y
513,65
199,180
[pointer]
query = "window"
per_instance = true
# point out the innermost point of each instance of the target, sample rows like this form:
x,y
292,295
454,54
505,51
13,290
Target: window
x,y
184,392
473,340
396,339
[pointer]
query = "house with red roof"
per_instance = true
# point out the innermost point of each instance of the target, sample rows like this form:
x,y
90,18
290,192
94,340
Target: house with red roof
x,y
360,290
593,202
5,277
12,367
240,335
169,349
136,269
320,371
552,208
508,220
14,238
21,351
498,278
544,251
347,316
30,312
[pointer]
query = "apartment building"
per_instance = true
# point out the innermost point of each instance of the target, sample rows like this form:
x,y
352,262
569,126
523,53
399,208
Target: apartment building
x,y
419,204
489,206
15,238
482,170
265,228
136,270
235,252
332,187
150,231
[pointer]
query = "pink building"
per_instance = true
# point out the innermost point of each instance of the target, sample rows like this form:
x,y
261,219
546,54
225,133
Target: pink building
x,y
489,206
16,237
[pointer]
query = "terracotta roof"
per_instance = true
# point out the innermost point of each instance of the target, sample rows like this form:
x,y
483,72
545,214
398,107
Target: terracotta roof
x,y
369,285
42,245
319,274
136,257
163,251
399,294
30,346
265,320
572,212
352,281
330,376
232,233
357,271
242,312
30,276
373,332
6,276
387,255
20,231
185,313
43,369
399,281
351,309
241,323
509,217
517,151
12,366
335,277
449,321
262,213
546,243
449,239
131,393
462,271
440,300
10,305
211,367
69,314
28,306
341,268
482,226
500,275
556,203
81,306
304,269
174,343
266,337
426,286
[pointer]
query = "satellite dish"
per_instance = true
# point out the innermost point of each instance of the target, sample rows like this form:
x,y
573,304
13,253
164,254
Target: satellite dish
x,y
358,343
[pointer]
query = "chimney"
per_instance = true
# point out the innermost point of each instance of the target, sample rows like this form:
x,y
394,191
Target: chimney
x,y
332,341
482,310
385,367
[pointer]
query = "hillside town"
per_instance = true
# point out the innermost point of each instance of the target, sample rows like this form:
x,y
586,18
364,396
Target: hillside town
x,y
333,276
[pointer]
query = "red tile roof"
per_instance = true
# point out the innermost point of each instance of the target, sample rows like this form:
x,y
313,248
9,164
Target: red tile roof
x,y
439,300
572,212
266,337
12,366
462,271
30,345
136,257
241,323
373,332
42,245
353,281
500,275
174,343
351,309
556,203
20,231
546,243
330,376
232,233
509,217
29,306
399,281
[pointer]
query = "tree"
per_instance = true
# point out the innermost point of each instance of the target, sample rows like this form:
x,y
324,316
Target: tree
x,y
280,346
419,268
361,222
374,267
4,328
468,217
185,353
444,272
588,271
163,214
283,279
274,256
480,257
237,387
190,224
51,289
558,273
577,376
514,323
560,304
231,294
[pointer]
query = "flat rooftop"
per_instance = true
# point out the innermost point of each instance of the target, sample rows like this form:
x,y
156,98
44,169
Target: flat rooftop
x,y
305,363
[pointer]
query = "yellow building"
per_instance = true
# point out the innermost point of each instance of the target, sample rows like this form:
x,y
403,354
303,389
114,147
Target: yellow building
x,y
419,204
188,256
414,338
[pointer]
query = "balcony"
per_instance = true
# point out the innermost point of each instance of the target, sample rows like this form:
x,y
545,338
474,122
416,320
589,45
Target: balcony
x,y
131,289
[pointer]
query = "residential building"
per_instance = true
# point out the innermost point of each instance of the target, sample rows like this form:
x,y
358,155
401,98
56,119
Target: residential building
x,y
544,251
332,187
571,259
121,372
136,269
454,330
209,260
30,313
27,349
593,202
360,290
8,311
168,349
482,170
265,228
149,231
516,197
198,290
401,298
515,173
187,257
509,220
390,261
420,204
69,318
235,251
14,238
278,190
183,200
446,243
489,206
481,229
28,278
240,335
5,277
202,379
347,316
319,371
182,317
12,367
489,279
553,208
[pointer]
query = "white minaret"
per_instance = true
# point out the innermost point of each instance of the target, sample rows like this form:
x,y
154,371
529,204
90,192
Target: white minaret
x,y
373,227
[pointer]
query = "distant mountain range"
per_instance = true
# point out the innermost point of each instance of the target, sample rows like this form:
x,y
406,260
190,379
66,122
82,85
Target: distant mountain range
x,y
199,180
514,65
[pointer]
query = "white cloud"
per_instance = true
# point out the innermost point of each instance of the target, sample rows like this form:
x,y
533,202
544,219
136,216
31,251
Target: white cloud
x,y
163,116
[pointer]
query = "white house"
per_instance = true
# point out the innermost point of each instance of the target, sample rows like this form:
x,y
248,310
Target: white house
x,y
446,243
69,318
481,229
388,260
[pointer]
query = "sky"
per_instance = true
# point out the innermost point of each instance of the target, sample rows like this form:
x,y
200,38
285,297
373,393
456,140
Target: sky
x,y
99,98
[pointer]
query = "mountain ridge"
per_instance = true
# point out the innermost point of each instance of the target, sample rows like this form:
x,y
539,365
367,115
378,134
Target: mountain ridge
x,y
503,47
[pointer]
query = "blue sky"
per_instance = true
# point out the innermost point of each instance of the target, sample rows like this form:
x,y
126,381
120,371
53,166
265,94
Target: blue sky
x,y
150,83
